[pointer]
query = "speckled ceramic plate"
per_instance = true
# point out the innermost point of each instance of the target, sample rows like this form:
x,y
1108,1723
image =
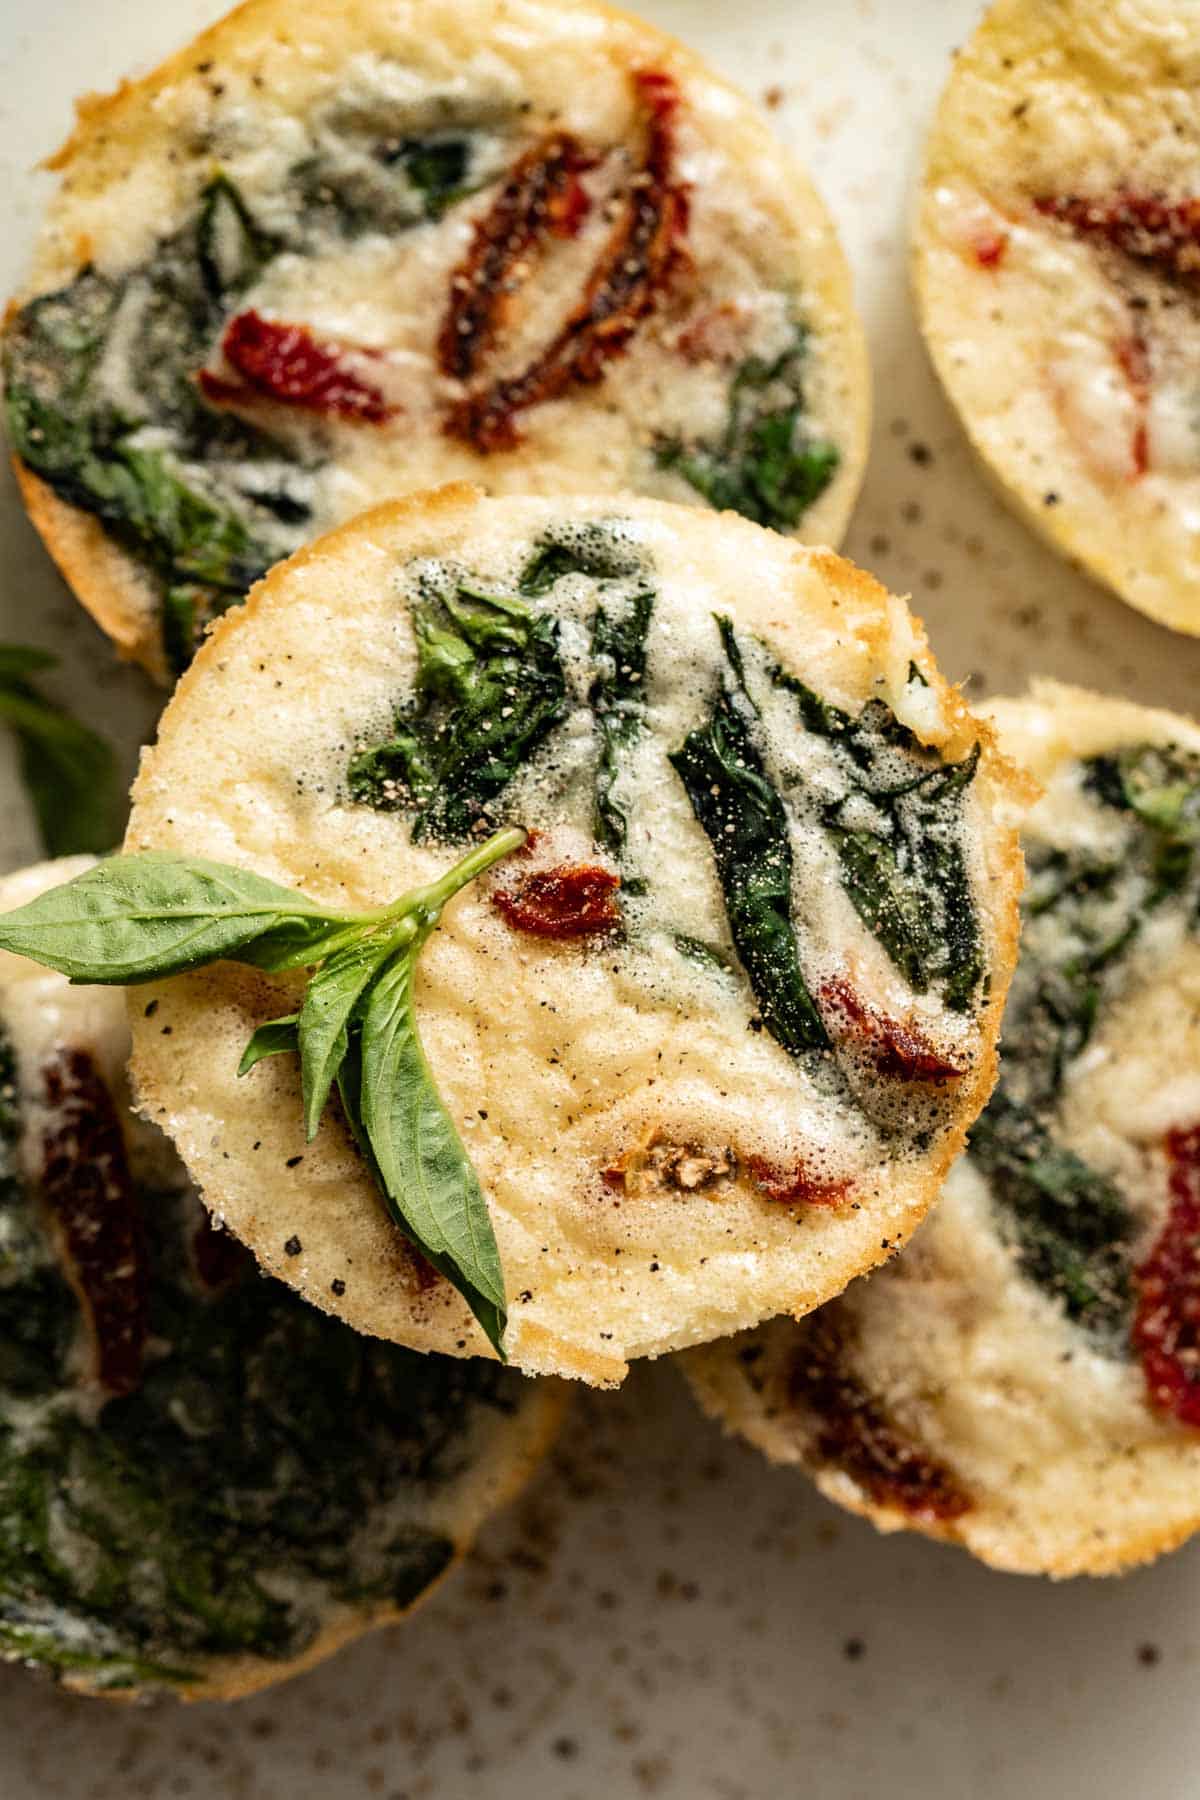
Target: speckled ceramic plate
x,y
664,1615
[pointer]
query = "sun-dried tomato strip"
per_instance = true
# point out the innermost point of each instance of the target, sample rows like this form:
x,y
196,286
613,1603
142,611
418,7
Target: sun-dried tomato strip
x,y
895,1049
625,285
90,1197
287,364
990,248
575,900
543,194
797,1186
1166,1326
1133,359
1163,233
854,1434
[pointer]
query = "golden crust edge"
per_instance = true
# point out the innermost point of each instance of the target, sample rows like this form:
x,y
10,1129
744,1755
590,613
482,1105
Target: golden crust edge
x,y
741,1420
103,578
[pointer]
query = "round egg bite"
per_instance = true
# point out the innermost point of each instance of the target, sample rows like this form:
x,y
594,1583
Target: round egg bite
x,y
713,1037
1057,267
205,1484
1023,1380
330,254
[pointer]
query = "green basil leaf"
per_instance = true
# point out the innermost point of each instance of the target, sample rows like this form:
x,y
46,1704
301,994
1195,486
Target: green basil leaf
x,y
431,1188
19,660
135,918
333,993
70,772
278,1037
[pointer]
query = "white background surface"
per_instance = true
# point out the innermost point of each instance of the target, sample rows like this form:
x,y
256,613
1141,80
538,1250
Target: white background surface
x,y
663,1615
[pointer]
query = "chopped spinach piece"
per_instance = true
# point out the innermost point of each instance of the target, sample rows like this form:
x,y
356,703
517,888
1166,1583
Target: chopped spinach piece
x,y
587,550
438,167
765,465
744,820
1083,913
361,179
695,950
616,700
897,833
490,687
261,1474
1094,909
201,499
1161,787
1071,1225
890,904
232,249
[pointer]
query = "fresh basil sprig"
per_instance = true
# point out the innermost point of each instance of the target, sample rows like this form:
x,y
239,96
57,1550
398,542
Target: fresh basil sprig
x,y
143,917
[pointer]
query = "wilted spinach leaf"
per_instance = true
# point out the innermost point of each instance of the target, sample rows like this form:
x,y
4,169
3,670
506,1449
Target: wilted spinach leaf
x,y
744,820
1071,1224
490,687
898,836
201,499
616,698
765,465
258,1478
1084,911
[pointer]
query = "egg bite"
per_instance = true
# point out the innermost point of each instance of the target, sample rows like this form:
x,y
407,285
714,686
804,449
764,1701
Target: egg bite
x,y
712,1038
329,254
1022,1380
1057,271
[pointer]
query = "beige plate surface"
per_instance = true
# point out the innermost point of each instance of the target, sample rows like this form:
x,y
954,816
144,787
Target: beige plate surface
x,y
664,1616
